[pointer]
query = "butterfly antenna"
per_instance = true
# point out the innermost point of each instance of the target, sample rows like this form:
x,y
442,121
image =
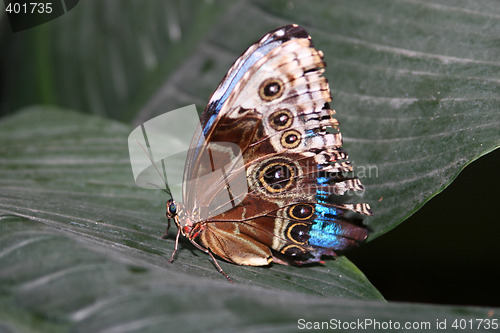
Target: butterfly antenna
x,y
161,188
167,188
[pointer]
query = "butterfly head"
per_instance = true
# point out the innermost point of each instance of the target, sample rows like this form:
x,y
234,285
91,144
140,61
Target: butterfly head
x,y
176,212
171,209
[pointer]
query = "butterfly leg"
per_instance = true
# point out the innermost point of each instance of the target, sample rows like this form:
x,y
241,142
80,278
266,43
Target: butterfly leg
x,y
213,259
176,246
218,267
165,235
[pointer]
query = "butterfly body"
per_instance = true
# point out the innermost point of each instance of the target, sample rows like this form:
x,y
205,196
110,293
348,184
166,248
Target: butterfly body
x,y
272,112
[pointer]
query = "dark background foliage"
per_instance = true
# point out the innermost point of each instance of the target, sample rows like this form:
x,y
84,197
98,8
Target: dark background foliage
x,y
427,258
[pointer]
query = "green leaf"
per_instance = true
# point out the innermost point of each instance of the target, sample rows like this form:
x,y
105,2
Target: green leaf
x,y
72,173
80,248
71,215
66,283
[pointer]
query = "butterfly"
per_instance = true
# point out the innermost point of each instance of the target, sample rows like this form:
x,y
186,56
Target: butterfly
x,y
280,193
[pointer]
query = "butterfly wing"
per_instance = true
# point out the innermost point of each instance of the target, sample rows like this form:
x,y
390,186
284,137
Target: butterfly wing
x,y
273,106
200,162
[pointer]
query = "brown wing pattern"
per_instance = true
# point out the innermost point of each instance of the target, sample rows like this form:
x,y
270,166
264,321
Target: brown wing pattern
x,y
296,171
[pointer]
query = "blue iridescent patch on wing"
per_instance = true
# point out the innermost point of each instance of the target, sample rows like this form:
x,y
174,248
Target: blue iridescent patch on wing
x,y
310,133
325,234
324,231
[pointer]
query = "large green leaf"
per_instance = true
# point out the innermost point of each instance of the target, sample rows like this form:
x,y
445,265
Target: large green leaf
x,y
80,249
66,283
72,174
